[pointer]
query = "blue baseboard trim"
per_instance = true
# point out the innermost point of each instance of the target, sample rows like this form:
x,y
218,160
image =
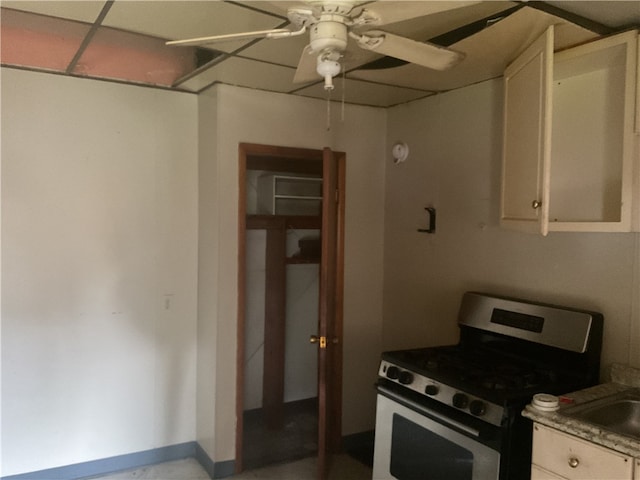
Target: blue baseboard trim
x,y
132,461
215,470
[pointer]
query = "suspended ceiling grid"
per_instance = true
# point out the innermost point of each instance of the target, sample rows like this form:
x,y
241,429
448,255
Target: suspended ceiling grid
x,y
123,40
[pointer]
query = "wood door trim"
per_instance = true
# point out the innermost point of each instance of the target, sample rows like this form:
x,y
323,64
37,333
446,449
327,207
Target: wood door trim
x,y
266,222
336,365
274,326
242,279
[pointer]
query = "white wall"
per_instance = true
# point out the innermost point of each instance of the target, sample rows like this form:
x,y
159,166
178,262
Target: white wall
x,y
454,165
235,115
99,257
100,230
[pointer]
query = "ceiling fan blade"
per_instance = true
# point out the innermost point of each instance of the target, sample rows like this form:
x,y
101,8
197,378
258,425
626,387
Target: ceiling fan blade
x,y
306,71
397,11
424,54
274,33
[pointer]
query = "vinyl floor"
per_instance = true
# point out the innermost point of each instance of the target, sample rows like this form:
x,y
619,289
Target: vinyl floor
x,y
287,452
344,468
294,438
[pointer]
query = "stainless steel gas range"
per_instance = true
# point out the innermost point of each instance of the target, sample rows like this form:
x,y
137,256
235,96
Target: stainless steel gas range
x,y
453,412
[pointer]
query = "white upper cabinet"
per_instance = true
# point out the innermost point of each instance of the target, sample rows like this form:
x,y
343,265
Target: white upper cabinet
x,y
569,148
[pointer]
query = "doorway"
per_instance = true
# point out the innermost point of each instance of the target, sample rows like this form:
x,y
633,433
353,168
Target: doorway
x,y
287,406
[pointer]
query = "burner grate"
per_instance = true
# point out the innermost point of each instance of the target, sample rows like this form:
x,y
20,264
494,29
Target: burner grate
x,y
476,368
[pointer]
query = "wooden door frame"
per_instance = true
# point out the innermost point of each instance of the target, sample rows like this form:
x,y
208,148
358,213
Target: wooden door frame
x,y
275,158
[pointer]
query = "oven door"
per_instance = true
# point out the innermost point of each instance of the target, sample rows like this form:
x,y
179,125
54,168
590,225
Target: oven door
x,y
415,442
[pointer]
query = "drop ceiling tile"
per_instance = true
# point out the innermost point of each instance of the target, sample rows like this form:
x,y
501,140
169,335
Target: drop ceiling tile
x,y
83,11
409,76
177,20
364,93
245,73
395,11
622,13
274,6
283,51
38,41
117,54
488,52
426,27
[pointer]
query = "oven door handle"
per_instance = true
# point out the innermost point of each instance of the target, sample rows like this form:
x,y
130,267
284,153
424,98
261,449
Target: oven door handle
x,y
445,420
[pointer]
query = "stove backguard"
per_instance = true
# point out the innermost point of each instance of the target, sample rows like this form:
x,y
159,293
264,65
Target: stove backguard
x,y
561,339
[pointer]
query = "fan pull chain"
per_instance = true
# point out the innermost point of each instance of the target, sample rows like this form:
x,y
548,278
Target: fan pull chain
x,y
344,88
328,111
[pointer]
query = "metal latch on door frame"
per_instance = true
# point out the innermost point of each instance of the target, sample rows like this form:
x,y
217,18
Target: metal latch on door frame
x,y
321,340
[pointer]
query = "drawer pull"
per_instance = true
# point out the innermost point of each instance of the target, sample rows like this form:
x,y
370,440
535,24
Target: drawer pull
x,y
574,462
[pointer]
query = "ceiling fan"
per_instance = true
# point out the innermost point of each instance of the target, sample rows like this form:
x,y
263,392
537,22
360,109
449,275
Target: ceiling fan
x,y
332,22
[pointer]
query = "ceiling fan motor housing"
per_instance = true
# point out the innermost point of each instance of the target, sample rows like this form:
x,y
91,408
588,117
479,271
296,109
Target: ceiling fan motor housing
x,y
330,34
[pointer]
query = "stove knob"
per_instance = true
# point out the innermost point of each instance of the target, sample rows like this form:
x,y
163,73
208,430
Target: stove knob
x,y
460,400
405,378
393,373
477,408
431,390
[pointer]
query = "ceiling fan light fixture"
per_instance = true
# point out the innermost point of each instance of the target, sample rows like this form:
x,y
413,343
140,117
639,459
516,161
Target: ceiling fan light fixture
x,y
327,68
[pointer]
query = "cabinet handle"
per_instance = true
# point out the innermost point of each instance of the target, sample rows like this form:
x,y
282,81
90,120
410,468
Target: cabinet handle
x,y
574,462
536,204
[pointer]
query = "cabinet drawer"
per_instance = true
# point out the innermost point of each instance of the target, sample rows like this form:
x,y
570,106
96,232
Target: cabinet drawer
x,y
573,458
538,473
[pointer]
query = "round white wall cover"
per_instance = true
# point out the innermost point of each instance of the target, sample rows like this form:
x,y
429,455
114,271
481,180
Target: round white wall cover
x,y
400,152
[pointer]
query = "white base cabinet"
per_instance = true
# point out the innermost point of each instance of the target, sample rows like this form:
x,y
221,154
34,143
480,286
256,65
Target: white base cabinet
x,y
538,473
557,455
570,150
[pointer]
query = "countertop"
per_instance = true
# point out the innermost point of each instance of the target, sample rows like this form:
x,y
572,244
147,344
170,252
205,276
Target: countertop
x,y
622,378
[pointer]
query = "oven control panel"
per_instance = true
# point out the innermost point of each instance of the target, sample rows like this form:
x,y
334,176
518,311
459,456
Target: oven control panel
x,y
487,411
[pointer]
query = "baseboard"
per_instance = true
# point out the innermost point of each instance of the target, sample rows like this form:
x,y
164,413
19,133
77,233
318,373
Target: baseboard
x,y
214,469
360,446
132,461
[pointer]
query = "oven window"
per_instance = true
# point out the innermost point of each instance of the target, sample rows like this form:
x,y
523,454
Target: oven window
x,y
419,454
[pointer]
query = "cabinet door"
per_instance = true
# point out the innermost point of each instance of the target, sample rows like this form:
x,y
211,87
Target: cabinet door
x,y
638,88
635,222
527,137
